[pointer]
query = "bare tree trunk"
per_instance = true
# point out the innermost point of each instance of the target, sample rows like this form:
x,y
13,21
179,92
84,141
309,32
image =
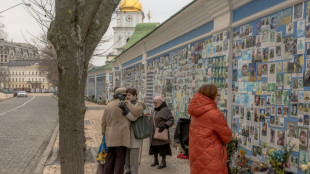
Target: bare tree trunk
x,y
71,112
75,32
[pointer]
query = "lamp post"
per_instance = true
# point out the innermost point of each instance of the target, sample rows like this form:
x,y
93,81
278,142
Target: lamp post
x,y
15,6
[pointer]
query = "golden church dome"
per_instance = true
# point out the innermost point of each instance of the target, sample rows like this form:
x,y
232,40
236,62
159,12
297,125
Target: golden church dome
x,y
130,5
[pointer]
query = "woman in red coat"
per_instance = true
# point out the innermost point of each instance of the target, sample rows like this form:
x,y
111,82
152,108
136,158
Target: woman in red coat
x,y
208,133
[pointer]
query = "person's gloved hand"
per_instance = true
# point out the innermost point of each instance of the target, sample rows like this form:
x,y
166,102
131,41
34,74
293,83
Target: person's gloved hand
x,y
163,128
124,108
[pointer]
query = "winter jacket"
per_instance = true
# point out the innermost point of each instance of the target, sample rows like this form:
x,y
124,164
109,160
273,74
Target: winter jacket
x,y
208,135
137,108
163,117
115,126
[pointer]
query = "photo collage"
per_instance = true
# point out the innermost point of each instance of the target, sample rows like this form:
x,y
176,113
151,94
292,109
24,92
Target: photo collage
x,y
271,80
134,77
177,76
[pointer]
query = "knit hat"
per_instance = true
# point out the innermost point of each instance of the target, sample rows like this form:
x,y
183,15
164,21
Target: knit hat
x,y
121,90
158,99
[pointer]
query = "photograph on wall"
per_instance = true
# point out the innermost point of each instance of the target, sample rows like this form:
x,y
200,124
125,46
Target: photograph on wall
x,y
280,138
301,45
303,157
306,78
290,29
265,35
293,163
298,11
301,28
298,64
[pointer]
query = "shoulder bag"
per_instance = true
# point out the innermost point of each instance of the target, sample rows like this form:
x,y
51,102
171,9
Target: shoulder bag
x,y
141,127
163,136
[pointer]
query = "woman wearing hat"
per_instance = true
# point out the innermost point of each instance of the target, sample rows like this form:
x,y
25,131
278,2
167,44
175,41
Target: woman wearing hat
x,y
161,118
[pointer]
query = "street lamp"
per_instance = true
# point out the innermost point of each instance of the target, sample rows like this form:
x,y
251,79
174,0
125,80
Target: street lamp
x,y
15,6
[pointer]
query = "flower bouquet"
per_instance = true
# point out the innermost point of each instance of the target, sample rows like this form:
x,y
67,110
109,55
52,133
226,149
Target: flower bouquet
x,y
231,148
240,165
305,168
259,168
278,159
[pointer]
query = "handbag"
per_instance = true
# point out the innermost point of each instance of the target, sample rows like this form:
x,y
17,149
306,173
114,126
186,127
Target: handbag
x,y
141,127
163,136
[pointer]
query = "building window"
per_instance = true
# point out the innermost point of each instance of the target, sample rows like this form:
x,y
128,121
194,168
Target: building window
x,y
23,86
12,79
43,86
9,86
23,79
32,73
28,86
23,72
29,72
36,73
43,79
19,79
32,79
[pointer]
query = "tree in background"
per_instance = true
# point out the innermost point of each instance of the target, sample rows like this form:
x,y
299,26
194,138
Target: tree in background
x,y
75,32
4,77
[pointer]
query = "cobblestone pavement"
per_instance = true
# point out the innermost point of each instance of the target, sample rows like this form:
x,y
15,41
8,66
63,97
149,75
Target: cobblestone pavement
x,y
93,140
26,125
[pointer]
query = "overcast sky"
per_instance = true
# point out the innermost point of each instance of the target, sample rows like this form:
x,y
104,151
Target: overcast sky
x,y
18,22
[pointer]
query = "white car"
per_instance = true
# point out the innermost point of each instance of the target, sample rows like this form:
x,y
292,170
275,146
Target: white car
x,y
22,94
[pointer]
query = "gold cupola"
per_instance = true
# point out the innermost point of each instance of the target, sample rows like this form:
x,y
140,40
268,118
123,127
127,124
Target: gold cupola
x,y
130,5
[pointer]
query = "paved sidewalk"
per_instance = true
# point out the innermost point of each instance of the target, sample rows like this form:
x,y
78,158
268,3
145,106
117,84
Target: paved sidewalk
x,y
93,140
5,96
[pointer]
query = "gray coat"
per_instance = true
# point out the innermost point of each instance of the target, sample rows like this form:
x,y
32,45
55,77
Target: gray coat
x,y
162,118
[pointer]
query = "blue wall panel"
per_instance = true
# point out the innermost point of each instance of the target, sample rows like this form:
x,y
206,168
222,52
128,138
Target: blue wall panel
x,y
132,61
254,7
206,28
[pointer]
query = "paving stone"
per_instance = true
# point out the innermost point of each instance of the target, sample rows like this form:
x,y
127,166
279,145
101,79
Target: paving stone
x,y
93,140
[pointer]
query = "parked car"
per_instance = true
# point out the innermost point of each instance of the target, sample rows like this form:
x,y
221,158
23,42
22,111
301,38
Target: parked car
x,y
22,94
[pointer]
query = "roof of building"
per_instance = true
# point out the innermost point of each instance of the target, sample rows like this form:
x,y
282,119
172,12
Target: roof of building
x,y
156,28
100,68
141,30
130,5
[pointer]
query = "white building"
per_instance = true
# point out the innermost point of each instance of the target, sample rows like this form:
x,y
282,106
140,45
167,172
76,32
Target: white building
x,y
128,16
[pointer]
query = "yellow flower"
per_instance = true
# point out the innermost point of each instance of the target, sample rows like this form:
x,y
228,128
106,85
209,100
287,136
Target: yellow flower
x,y
303,167
308,164
242,152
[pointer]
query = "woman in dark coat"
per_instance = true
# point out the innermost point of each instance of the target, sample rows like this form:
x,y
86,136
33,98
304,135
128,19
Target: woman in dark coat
x,y
163,120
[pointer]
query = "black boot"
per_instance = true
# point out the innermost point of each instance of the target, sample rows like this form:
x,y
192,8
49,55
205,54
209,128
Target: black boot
x,y
156,162
163,163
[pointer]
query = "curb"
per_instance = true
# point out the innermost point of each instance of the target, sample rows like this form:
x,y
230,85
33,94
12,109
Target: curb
x,y
6,99
41,164
40,167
